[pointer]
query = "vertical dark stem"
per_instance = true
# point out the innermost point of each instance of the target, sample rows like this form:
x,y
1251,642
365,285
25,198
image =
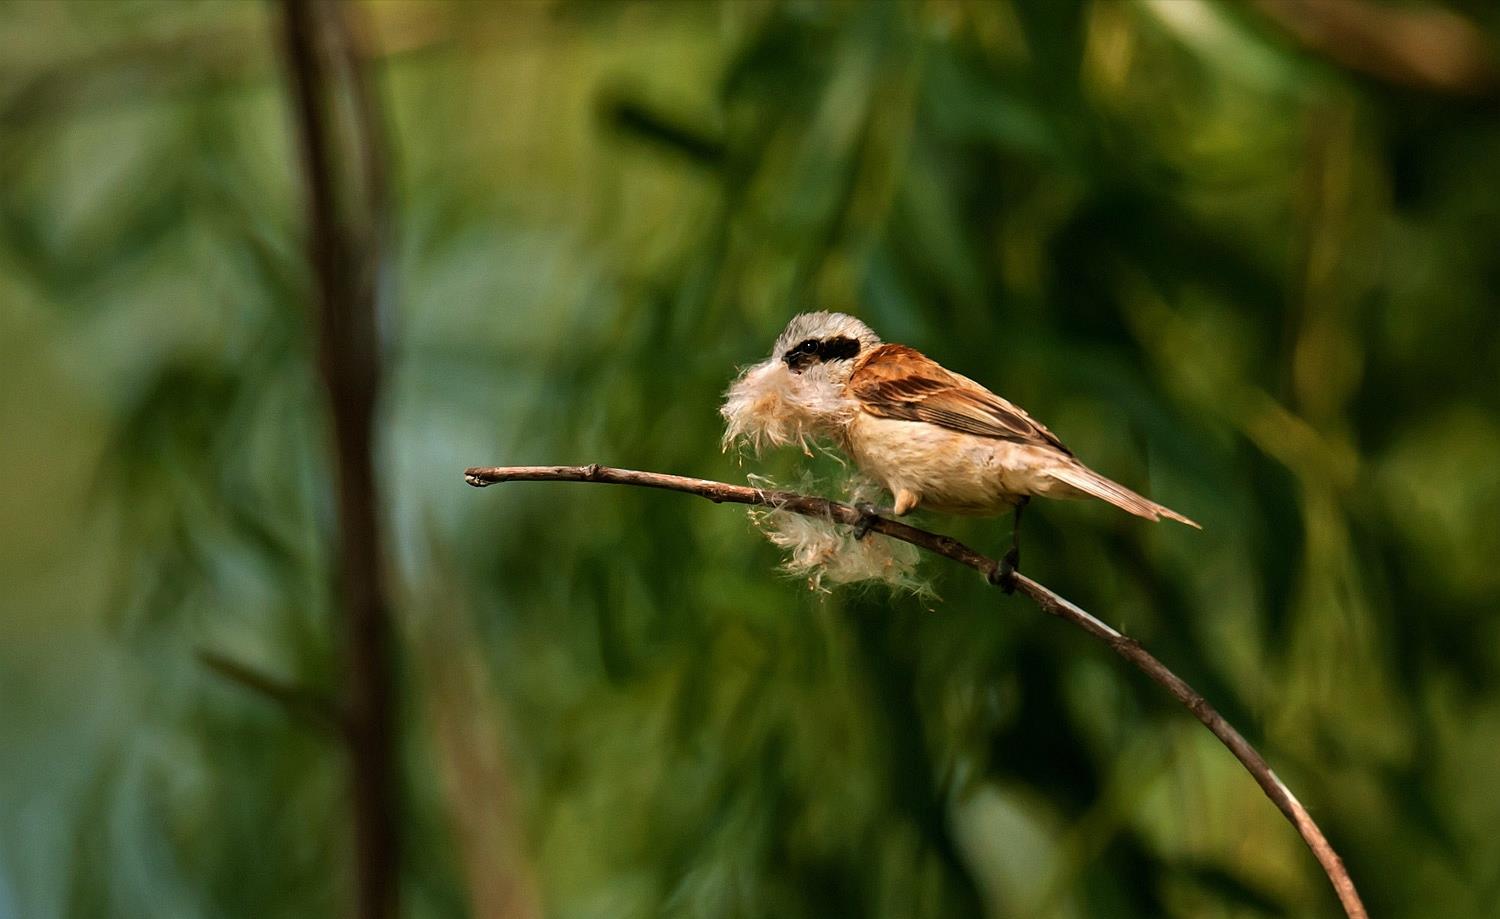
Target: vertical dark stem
x,y
349,365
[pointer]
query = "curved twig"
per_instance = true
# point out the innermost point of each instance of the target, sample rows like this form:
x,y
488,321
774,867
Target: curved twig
x,y
1050,603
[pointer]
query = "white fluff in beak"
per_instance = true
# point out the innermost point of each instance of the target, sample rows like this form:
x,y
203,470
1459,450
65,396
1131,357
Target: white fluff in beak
x,y
768,406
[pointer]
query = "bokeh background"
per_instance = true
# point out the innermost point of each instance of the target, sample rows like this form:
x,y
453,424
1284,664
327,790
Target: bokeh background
x,y
1241,256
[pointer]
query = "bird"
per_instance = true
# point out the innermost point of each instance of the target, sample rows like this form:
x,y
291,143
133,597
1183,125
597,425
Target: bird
x,y
932,438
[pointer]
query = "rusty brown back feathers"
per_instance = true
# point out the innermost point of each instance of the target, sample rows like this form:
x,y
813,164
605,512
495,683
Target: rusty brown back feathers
x,y
894,381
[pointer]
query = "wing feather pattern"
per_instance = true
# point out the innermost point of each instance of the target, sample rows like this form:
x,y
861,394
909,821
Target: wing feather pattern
x,y
902,383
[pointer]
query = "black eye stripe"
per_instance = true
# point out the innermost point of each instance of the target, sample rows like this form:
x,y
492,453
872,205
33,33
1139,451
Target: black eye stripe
x,y
839,349
829,349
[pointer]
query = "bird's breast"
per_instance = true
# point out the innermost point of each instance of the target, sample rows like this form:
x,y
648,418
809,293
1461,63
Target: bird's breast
x,y
950,471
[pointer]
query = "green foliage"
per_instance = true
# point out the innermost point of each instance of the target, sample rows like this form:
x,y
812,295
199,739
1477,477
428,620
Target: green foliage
x,y
1226,272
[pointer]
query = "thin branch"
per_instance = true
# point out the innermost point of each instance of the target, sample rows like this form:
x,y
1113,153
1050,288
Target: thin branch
x,y
1050,603
349,365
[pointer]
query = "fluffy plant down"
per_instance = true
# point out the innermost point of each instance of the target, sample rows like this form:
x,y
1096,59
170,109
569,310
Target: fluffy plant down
x,y
827,554
761,409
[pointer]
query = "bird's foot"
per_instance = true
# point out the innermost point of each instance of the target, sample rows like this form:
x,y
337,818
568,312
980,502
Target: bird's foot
x,y
868,514
1004,574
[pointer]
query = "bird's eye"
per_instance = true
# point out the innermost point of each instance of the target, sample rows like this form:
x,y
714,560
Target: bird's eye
x,y
802,354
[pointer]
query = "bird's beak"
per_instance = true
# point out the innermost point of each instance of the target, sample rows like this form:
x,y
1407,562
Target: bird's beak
x,y
797,363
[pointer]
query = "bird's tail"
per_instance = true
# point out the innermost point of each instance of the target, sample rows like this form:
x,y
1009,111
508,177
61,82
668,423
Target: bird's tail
x,y
1090,482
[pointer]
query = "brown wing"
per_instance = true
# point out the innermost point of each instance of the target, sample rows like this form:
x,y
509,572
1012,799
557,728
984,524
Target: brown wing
x,y
900,382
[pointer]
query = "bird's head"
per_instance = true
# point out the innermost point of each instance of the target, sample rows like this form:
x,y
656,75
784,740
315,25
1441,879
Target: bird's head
x,y
797,394
823,347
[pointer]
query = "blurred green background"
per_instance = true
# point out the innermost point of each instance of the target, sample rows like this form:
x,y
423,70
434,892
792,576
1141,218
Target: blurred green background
x,y
1236,263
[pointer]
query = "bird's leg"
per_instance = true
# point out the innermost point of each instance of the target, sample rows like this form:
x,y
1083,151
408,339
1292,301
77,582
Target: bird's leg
x,y
1014,555
1005,575
868,514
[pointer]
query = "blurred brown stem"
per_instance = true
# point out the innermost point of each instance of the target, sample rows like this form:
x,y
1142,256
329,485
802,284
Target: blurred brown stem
x,y
301,701
343,260
1050,603
1424,47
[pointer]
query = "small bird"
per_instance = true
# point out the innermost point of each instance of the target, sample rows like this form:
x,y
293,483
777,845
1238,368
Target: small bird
x,y
930,437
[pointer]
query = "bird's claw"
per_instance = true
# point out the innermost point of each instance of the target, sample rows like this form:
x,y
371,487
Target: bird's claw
x,y
1004,574
867,517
